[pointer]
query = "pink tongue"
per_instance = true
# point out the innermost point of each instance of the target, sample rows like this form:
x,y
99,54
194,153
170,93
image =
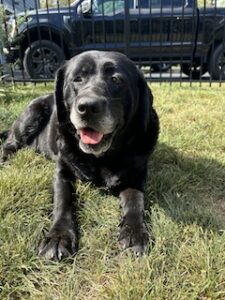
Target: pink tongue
x,y
90,136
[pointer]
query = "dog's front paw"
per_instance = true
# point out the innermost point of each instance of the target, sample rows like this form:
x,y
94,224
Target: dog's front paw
x,y
134,236
58,244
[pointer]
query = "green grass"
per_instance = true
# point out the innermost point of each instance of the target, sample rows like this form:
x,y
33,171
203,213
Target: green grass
x,y
186,192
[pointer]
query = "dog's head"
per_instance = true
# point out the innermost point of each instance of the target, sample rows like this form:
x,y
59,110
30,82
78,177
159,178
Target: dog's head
x,y
100,93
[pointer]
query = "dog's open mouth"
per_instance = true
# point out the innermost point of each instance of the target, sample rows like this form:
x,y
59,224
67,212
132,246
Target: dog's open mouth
x,y
93,141
90,136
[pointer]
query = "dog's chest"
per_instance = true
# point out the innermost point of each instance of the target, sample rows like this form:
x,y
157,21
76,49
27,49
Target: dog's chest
x,y
101,173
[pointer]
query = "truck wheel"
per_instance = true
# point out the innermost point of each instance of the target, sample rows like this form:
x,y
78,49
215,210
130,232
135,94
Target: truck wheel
x,y
217,63
42,59
194,71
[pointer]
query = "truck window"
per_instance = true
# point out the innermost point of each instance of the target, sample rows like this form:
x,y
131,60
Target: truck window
x,y
160,3
109,7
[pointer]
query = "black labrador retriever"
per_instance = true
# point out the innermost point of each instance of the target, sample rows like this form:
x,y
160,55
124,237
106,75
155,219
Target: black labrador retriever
x,y
100,126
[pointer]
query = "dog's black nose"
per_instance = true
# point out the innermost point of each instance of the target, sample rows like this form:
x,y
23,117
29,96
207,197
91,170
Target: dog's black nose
x,y
92,107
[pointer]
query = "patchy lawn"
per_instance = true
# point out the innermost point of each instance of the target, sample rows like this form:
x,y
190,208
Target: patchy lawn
x,y
185,190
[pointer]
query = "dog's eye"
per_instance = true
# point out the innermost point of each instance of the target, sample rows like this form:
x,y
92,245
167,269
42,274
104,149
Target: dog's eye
x,y
77,79
115,79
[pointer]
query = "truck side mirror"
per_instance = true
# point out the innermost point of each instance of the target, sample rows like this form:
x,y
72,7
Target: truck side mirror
x,y
85,8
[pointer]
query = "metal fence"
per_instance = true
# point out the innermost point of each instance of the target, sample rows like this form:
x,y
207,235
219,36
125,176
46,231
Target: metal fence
x,y
171,40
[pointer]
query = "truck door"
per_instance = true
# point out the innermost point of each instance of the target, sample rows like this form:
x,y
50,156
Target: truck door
x,y
163,29
103,28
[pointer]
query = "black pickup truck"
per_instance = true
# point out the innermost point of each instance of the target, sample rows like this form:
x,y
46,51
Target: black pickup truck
x,y
148,31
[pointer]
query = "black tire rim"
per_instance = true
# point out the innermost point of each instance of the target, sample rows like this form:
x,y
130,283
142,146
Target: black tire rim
x,y
44,62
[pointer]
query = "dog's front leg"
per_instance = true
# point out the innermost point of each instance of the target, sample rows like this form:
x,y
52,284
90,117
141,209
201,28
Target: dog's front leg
x,y
61,241
133,231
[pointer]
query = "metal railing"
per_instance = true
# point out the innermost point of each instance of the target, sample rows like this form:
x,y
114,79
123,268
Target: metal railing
x,y
171,40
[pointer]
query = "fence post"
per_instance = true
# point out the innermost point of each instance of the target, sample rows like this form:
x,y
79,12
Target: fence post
x,y
126,27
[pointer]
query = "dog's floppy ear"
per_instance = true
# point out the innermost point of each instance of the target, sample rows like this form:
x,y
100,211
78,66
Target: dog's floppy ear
x,y
62,113
145,99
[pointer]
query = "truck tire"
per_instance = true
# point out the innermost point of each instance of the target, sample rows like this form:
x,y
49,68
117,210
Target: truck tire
x,y
217,63
194,71
42,58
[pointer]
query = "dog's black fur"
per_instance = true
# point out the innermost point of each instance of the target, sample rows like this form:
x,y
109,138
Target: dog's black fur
x,y
104,93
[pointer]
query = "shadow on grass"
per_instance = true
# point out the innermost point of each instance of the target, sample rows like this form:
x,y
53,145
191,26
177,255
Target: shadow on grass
x,y
191,190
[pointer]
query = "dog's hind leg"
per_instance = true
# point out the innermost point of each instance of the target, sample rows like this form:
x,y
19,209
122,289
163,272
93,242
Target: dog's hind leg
x,y
28,126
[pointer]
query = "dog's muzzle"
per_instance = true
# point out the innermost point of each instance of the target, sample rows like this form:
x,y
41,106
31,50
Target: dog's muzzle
x,y
94,124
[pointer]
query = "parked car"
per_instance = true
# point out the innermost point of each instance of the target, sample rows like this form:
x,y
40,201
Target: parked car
x,y
168,31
